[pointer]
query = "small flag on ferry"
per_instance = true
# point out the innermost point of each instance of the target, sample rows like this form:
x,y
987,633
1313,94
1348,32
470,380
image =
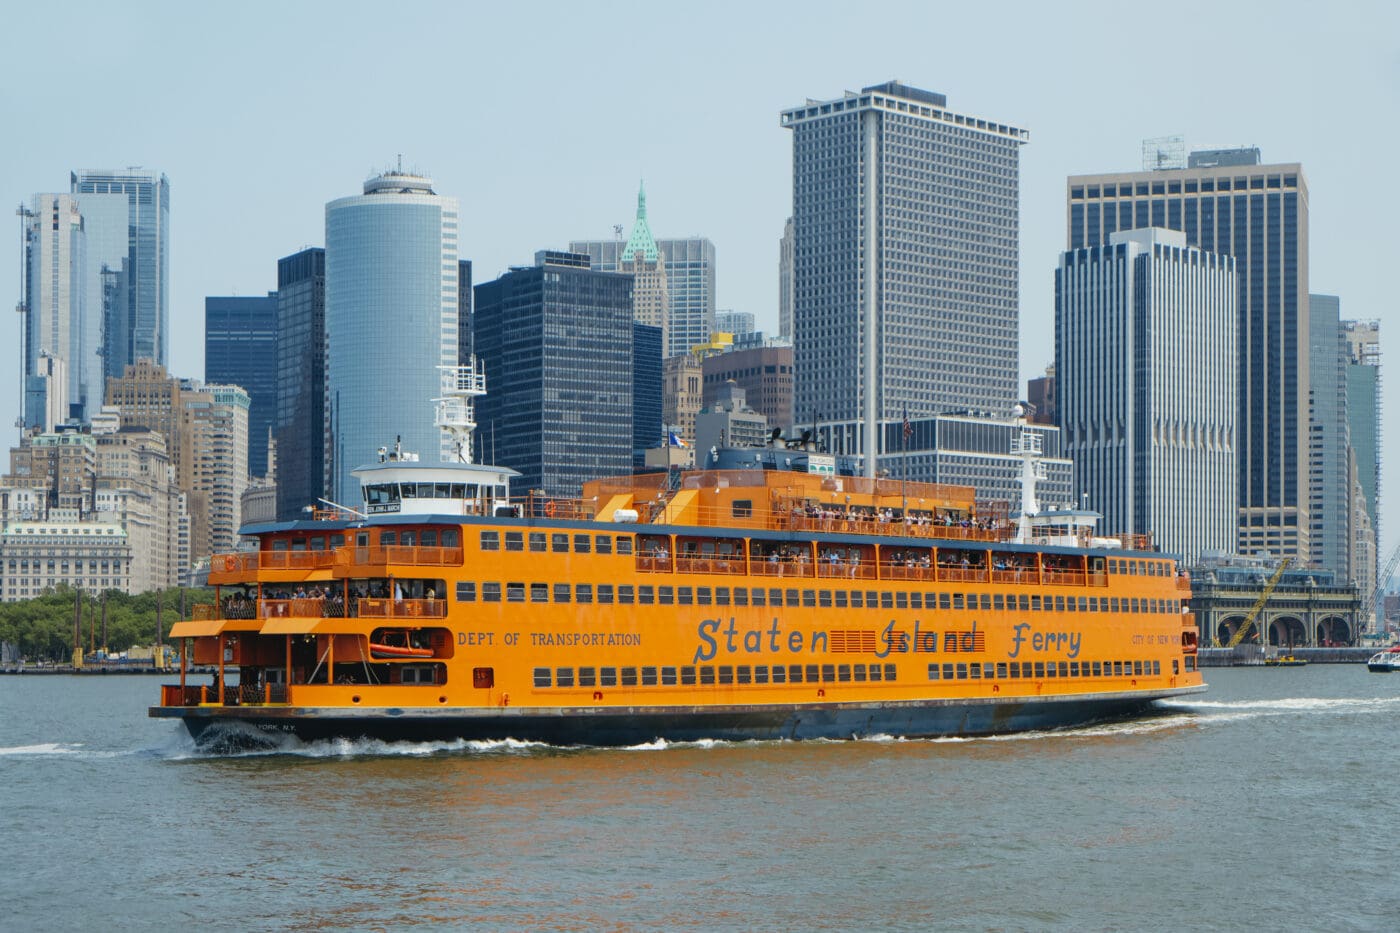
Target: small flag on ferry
x,y
676,441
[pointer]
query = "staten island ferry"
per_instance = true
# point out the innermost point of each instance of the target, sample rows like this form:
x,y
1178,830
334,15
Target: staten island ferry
x,y
768,595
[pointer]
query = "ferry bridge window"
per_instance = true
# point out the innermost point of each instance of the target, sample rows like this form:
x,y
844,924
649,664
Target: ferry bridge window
x,y
564,677
687,676
490,592
607,677
410,539
537,541
562,592
624,544
626,594
542,677
490,540
779,674
587,677
668,676
428,538
648,677
583,593
721,596
743,674
559,543
707,676
391,538
539,592
605,593
515,592
685,596
646,595
449,538
581,544
703,596
466,592
603,545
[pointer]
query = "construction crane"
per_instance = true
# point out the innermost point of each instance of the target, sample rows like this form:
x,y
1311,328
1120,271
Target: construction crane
x,y
1381,583
1243,630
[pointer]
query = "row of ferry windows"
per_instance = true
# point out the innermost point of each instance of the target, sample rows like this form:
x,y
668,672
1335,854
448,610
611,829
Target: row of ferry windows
x,y
557,542
1044,670
710,675
491,592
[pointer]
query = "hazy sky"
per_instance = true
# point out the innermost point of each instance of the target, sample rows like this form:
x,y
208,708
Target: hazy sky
x,y
541,119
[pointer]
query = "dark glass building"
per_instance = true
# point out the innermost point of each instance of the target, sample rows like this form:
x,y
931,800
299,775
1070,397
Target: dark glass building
x,y
646,390
240,348
555,341
301,376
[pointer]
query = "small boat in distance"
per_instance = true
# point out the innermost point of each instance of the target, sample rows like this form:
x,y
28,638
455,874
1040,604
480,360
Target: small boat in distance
x,y
1286,660
1384,662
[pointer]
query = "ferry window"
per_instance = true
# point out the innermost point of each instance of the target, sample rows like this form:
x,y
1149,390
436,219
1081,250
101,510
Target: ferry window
x,y
760,674
794,673
840,599
779,674
961,670
828,673
490,592
703,596
958,601
1156,667
1035,603
668,676
945,601
1025,602
542,678
1059,603
607,677
391,538
743,675
361,540
605,593
318,543
707,676
856,599
687,677
490,540
999,602
1190,662
539,592
722,596
1135,605
874,672
428,538
685,596
1015,671
1001,670
646,595
409,539
1098,669
741,596
666,596
1083,604
624,544
1064,668
1039,669
466,592
1070,603
626,594
559,544
1117,668
583,593
1113,604
581,544
824,598
775,597
457,491
648,676
858,673
809,597
975,671
1049,669
1137,668
813,674
562,592
449,538
916,600
483,678
1175,666
603,545
587,677
843,673
537,541
726,674
986,601
515,592
742,508
901,600
564,677
1074,668
337,541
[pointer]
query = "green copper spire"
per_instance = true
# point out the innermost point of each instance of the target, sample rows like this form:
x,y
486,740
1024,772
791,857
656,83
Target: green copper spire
x,y
641,238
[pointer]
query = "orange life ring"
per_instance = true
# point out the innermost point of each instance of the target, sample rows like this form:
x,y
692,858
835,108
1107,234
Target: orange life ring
x,y
549,508
230,563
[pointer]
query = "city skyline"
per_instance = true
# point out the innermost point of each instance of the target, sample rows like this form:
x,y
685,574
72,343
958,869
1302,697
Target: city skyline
x,y
721,172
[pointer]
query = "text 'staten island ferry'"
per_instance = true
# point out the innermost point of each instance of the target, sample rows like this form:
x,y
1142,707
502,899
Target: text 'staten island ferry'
x,y
770,597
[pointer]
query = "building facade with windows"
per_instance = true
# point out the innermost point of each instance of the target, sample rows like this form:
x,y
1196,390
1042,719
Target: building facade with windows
x,y
302,438
61,335
393,317
1257,214
763,372
240,348
905,257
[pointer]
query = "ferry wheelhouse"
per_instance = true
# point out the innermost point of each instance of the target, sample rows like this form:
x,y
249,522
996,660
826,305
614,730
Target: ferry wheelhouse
x,y
767,596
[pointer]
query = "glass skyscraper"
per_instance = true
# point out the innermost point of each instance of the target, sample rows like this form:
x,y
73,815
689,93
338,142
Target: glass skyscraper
x,y
905,233
1259,215
240,348
61,363
392,318
556,341
126,216
301,387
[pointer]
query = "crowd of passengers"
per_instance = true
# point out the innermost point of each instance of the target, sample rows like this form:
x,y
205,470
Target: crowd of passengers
x,y
886,516
243,605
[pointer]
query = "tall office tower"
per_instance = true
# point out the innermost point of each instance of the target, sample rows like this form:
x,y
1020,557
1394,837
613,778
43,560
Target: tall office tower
x,y
556,341
763,372
302,437
392,309
214,464
1145,368
682,393
641,259
240,348
60,358
1329,480
51,474
1363,345
735,323
785,283
464,309
646,390
905,237
1259,215
126,215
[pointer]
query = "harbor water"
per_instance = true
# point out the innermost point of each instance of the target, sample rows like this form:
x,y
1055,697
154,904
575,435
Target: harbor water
x,y
1265,804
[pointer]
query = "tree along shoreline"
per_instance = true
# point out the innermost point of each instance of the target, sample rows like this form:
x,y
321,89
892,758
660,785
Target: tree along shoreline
x,y
41,629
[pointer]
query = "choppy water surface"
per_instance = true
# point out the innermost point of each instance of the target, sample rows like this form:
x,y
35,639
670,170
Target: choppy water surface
x,y
1268,803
